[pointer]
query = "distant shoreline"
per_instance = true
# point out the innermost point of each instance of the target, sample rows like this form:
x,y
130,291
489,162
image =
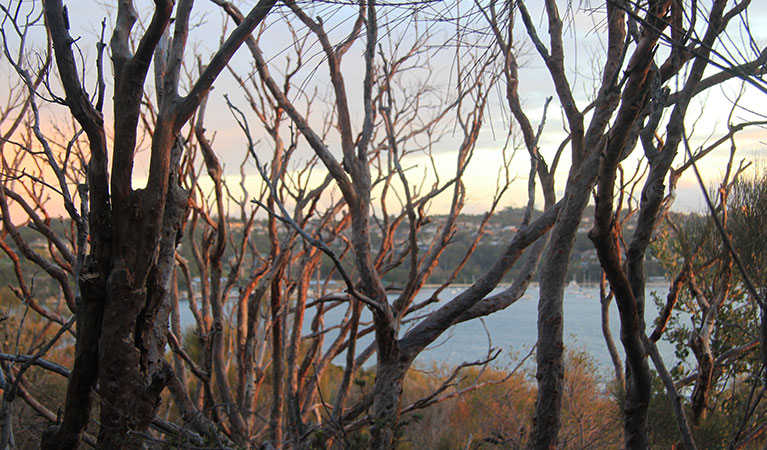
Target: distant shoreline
x,y
654,283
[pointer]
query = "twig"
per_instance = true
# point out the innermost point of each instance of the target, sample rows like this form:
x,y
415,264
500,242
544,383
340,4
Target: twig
x,y
45,364
287,219
720,228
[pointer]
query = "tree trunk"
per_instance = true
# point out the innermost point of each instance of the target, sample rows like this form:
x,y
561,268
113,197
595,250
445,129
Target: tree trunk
x,y
129,395
6,420
553,275
390,375
763,336
278,362
605,301
82,381
638,392
132,367
701,392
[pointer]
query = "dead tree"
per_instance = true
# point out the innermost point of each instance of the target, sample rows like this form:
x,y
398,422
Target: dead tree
x,y
117,272
124,280
628,103
353,178
643,109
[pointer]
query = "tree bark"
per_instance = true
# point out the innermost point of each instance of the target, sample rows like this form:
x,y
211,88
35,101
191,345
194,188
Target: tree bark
x,y
553,276
122,318
390,374
605,300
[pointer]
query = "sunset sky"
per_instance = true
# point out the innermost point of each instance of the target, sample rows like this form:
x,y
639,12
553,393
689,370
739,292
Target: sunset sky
x,y
709,113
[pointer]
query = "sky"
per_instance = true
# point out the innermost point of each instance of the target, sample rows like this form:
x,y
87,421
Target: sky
x,y
584,40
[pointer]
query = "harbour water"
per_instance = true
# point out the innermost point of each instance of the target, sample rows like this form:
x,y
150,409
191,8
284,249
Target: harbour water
x,y
512,330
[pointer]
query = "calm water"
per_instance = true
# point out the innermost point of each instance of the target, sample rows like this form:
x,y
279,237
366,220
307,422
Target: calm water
x,y
513,330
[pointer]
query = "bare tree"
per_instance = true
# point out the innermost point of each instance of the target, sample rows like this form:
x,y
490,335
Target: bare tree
x,y
353,178
629,101
627,279
625,104
330,215
123,282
